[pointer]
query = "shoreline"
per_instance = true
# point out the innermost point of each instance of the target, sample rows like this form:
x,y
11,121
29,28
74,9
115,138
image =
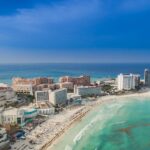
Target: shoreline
x,y
56,138
80,113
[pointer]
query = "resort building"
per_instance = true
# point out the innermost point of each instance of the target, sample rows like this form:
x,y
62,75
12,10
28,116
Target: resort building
x,y
24,88
73,96
33,81
128,81
45,109
147,77
82,80
9,116
58,97
28,86
6,94
20,116
41,96
67,85
87,90
28,113
54,86
4,141
137,79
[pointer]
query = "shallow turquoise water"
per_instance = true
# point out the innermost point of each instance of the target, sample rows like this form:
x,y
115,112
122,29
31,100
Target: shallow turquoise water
x,y
119,125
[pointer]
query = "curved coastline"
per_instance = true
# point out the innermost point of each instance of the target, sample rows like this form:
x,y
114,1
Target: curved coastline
x,y
107,99
80,113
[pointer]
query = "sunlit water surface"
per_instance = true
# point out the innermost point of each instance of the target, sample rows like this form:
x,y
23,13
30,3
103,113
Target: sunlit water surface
x,y
119,125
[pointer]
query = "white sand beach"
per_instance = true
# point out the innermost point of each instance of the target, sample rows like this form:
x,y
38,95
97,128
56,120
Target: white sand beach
x,y
49,132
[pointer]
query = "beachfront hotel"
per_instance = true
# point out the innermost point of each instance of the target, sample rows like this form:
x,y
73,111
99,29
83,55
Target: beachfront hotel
x,y
41,96
128,81
67,85
29,86
147,77
87,90
58,97
82,80
45,109
17,116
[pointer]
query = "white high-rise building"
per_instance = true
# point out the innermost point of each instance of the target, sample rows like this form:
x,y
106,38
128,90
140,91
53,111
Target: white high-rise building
x,y
127,81
58,97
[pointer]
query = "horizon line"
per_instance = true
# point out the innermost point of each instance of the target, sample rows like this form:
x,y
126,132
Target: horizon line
x,y
13,63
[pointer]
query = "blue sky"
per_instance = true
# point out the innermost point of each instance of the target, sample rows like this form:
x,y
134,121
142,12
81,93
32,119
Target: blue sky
x,y
74,31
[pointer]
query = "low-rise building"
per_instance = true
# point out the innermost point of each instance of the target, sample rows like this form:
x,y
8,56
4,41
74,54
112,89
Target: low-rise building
x,y
33,81
82,80
17,116
87,90
9,116
45,109
28,112
54,86
29,86
67,85
24,88
73,96
58,97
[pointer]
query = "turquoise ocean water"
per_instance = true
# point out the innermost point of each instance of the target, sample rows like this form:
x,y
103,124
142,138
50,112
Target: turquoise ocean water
x,y
119,125
95,70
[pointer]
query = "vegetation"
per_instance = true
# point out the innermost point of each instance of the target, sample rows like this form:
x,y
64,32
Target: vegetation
x,y
70,90
30,98
107,88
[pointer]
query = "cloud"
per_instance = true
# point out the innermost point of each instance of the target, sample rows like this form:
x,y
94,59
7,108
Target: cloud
x,y
65,12
41,22
68,23
50,14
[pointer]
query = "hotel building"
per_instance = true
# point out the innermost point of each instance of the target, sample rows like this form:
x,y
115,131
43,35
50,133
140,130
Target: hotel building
x,y
41,96
82,80
13,116
128,81
29,86
58,97
67,85
87,90
9,116
147,77
45,109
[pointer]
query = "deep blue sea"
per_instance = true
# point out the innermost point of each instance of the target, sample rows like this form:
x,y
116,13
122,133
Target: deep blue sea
x,y
96,71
